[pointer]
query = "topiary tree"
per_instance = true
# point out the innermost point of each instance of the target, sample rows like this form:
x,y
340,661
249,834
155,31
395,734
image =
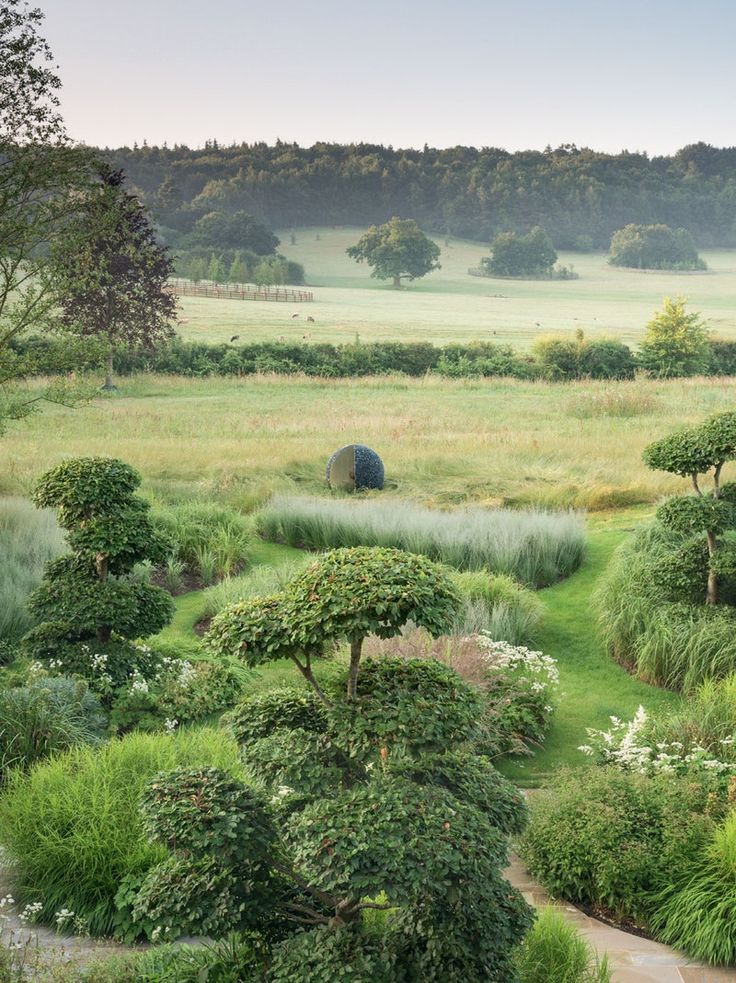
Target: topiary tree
x,y
89,595
345,595
693,452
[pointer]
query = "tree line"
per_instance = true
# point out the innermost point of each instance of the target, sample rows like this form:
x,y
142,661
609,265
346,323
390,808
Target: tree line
x,y
580,196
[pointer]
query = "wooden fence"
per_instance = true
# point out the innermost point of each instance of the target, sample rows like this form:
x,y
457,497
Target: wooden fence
x,y
240,291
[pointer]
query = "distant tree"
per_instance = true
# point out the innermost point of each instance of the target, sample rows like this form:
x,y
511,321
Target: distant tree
x,y
397,251
675,343
236,230
292,238
238,272
654,247
215,270
197,269
111,274
515,255
41,174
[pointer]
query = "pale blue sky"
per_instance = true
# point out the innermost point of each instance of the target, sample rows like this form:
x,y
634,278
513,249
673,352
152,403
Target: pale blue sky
x,y
637,74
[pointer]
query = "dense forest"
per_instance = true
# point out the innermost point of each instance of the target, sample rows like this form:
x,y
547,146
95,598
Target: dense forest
x,y
578,195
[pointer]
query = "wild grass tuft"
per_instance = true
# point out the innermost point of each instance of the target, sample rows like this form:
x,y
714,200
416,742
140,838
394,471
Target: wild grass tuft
x,y
28,538
499,605
258,582
535,547
555,952
210,540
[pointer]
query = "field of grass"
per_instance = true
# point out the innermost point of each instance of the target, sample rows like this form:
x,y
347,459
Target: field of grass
x,y
443,442
449,305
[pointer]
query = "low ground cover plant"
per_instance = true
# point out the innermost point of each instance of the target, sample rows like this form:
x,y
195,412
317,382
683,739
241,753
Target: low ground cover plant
x,y
534,547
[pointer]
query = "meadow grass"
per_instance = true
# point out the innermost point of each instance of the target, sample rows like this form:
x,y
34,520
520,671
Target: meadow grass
x,y
443,442
449,305
28,538
535,547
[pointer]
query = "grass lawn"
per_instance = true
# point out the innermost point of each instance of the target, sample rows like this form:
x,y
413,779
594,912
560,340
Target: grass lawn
x,y
449,305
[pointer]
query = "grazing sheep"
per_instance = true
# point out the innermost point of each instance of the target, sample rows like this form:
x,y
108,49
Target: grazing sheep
x,y
310,319
293,316
234,338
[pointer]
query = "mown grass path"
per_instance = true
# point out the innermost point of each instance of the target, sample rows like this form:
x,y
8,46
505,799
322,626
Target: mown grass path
x,y
592,687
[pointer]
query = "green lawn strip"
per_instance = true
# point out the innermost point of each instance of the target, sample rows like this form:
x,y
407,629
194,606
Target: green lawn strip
x,y
592,686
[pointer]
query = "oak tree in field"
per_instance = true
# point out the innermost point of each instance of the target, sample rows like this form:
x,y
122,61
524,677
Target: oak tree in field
x,y
111,273
521,255
40,173
397,251
654,247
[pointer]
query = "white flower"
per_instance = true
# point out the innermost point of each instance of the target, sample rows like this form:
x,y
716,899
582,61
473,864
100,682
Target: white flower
x,y
170,724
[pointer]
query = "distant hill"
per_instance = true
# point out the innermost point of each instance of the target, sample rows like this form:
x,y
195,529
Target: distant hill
x,y
578,195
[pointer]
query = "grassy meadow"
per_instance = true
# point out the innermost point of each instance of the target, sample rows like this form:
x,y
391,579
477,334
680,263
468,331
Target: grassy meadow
x,y
496,442
449,305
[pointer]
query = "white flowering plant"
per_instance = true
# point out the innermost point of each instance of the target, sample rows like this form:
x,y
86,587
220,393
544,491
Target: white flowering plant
x,y
520,685
633,745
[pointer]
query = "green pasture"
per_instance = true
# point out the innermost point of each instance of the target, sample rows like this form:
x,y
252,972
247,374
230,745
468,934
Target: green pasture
x,y
449,305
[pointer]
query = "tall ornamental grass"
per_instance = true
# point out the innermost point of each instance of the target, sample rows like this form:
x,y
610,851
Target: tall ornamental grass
x,y
535,547
555,952
28,538
71,826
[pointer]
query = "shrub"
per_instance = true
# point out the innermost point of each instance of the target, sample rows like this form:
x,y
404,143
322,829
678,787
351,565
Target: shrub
x,y
675,343
610,839
695,911
71,826
91,596
29,538
554,951
210,540
263,713
654,247
521,255
46,716
535,547
498,605
563,358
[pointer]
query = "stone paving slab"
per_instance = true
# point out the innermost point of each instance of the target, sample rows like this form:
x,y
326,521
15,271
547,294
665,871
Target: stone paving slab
x,y
632,959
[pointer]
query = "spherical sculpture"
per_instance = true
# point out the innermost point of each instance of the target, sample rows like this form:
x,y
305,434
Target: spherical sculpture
x,y
353,467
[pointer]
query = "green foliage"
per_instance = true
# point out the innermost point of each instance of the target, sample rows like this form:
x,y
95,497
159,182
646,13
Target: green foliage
x,y
609,838
87,596
356,844
256,630
675,343
555,950
345,955
232,230
397,250
46,716
535,547
28,539
521,255
406,706
695,911
351,593
472,779
683,452
261,714
562,358
72,827
197,810
691,514
499,605
654,247
298,765
204,533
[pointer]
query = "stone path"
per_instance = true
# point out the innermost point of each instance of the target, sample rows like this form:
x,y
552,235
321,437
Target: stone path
x,y
633,960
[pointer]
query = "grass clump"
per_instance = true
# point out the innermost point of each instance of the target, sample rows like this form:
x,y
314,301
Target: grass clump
x,y
71,825
262,581
29,537
535,547
210,541
497,605
554,952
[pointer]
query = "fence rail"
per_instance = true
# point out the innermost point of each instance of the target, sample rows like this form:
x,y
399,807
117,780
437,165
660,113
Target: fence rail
x,y
240,291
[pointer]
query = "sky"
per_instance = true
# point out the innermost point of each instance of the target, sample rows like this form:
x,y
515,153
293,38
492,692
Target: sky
x,y
646,75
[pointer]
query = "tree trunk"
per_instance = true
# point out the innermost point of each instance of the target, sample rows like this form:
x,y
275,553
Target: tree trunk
x,y
397,283
356,647
711,596
109,384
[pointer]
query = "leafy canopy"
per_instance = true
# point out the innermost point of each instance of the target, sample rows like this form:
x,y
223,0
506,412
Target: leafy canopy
x,y
397,250
675,343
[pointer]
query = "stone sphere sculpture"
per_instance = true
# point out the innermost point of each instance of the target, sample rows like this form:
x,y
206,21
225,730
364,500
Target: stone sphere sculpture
x,y
353,467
